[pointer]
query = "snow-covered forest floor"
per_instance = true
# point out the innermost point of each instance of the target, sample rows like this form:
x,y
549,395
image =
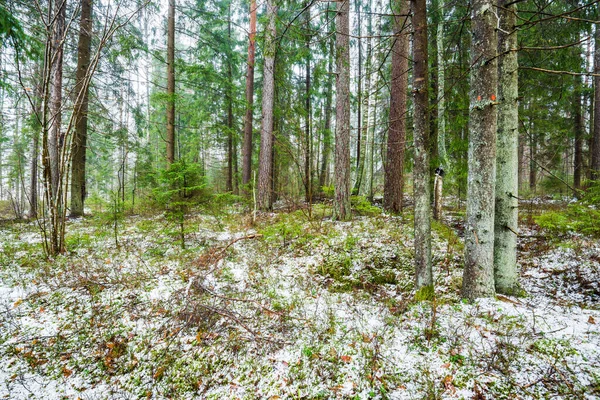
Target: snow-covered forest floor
x,y
292,307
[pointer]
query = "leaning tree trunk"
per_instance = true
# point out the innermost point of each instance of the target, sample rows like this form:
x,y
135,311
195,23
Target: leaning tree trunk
x,y
171,83
422,223
265,169
79,143
507,157
393,187
341,202
478,279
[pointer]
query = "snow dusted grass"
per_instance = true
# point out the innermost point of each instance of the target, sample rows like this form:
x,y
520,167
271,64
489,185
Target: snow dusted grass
x,y
292,307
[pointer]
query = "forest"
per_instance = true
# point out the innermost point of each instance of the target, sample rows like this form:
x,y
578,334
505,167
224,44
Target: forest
x,y
312,199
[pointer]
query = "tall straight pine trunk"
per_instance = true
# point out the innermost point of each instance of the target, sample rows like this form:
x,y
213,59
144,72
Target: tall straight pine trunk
x,y
341,201
478,279
79,143
595,148
422,223
265,168
507,157
393,188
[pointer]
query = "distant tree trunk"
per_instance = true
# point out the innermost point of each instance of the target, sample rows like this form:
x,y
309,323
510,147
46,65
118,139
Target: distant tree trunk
x,y
56,75
171,83
532,157
507,158
247,146
478,279
265,171
229,101
307,132
327,129
422,222
393,188
79,143
360,162
578,128
595,149
341,202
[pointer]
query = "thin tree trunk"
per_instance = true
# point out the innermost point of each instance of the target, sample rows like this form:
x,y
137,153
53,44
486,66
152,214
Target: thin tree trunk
x,y
247,146
327,129
171,83
341,203
229,100
79,143
532,158
478,278
393,189
595,149
578,128
422,223
265,170
307,118
359,159
507,157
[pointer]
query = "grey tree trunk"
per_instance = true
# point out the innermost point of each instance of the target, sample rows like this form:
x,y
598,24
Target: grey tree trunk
x,y
595,149
327,129
438,183
265,168
360,160
393,187
247,146
229,104
171,83
341,201
478,279
56,75
507,157
308,182
79,143
422,191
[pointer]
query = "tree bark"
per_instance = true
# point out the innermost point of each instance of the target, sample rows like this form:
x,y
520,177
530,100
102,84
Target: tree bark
x,y
229,102
79,143
507,157
578,128
307,118
595,149
56,75
171,83
327,129
265,170
341,201
478,279
393,188
422,222
247,146
360,162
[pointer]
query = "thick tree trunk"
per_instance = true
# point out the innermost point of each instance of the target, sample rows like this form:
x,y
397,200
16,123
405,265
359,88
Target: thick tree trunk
x,y
422,222
595,149
478,279
578,128
441,93
507,157
171,83
341,202
79,143
247,146
393,187
265,170
35,151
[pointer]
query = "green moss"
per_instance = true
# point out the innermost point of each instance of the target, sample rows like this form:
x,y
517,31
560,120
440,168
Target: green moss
x,y
426,293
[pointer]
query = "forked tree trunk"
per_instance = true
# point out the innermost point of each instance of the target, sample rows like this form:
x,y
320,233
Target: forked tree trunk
x,y
393,188
422,222
79,143
341,201
507,157
478,278
265,169
247,146
171,83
